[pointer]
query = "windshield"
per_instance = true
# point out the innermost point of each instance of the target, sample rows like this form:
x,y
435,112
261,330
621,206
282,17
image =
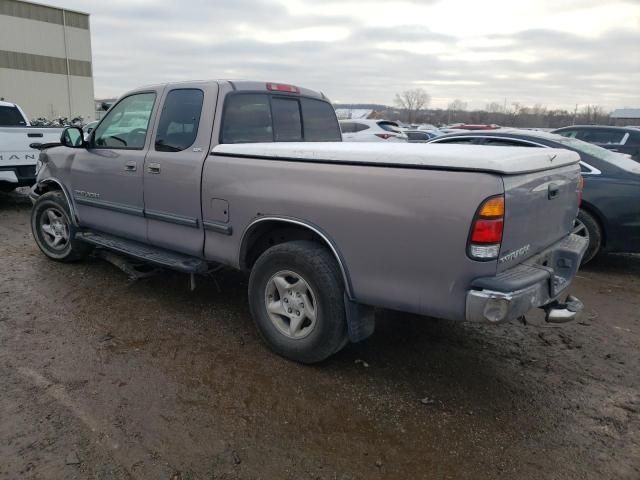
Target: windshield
x,y
616,159
11,117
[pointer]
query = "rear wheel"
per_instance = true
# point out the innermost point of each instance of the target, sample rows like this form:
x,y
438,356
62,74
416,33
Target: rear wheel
x,y
53,229
296,296
588,227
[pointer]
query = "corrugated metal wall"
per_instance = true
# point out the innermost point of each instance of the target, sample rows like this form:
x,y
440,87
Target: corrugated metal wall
x,y
44,66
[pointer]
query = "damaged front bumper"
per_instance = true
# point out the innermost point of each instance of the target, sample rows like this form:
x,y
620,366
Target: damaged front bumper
x,y
539,282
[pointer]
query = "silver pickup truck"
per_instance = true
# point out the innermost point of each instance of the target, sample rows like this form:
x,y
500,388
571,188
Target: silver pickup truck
x,y
254,176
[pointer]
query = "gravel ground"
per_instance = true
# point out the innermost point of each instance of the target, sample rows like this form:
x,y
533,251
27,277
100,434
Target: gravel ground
x,y
104,378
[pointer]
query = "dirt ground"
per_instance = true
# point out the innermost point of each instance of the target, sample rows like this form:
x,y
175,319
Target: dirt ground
x,y
108,379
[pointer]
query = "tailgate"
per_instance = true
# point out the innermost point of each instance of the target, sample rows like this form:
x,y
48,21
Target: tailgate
x,y
540,209
15,141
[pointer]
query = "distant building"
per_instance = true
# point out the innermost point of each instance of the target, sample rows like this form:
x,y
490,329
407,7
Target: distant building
x,y
625,116
45,60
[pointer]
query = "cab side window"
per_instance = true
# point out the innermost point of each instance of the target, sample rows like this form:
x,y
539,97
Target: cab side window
x,y
179,121
126,124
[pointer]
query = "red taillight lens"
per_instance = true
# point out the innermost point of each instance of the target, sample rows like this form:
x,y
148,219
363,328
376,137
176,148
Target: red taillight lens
x,y
281,87
487,231
384,135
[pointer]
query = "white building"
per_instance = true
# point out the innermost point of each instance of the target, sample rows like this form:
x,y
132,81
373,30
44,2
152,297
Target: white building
x,y
45,60
626,116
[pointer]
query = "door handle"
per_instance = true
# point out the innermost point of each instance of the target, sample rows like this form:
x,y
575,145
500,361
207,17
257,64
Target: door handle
x,y
153,168
130,166
553,191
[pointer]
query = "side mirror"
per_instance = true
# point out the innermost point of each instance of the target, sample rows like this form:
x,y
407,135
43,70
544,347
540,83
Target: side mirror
x,y
72,137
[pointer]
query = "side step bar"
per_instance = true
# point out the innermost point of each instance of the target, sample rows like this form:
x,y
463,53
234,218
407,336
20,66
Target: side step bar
x,y
148,253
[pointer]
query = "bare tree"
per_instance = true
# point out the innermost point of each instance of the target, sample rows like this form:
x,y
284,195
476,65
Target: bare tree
x,y
495,107
456,106
412,101
592,114
538,113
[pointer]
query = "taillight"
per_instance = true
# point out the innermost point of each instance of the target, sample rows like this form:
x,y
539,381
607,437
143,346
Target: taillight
x,y
385,135
486,232
281,87
580,189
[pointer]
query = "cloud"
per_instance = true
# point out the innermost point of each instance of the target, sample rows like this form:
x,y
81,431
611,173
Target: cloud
x,y
366,51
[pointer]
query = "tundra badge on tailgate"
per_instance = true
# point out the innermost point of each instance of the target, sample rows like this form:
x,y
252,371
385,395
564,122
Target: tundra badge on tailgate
x,y
515,254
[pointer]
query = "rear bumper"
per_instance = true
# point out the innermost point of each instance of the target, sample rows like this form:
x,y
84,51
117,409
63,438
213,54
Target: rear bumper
x,y
18,176
538,282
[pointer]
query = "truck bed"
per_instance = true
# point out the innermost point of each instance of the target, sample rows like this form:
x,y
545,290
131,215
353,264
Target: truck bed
x,y
499,160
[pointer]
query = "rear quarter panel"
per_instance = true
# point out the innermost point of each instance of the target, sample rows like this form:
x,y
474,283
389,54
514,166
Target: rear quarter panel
x,y
401,232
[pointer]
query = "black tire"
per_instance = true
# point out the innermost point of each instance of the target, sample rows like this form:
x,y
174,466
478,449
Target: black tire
x,y
317,267
587,226
69,249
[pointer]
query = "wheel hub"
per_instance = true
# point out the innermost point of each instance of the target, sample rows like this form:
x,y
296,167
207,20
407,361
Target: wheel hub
x,y
291,304
54,228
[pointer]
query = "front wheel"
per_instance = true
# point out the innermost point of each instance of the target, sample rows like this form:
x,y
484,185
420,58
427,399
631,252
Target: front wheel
x,y
296,297
53,229
588,227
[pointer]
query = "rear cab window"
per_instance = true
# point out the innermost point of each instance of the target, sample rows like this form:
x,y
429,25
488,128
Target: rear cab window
x,y
265,117
11,117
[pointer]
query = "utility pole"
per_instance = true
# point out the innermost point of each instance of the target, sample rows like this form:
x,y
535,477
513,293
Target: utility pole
x,y
575,114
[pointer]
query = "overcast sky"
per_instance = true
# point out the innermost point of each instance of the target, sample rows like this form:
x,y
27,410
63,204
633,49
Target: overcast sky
x,y
557,53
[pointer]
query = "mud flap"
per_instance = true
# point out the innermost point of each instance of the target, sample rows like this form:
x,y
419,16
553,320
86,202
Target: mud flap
x,y
361,320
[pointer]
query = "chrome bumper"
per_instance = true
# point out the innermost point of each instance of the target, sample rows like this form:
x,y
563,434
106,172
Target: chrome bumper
x,y
538,282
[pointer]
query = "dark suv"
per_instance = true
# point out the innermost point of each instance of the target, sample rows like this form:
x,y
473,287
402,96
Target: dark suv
x,y
618,139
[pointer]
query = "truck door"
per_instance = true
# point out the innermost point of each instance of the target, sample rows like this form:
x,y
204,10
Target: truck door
x,y
173,168
106,178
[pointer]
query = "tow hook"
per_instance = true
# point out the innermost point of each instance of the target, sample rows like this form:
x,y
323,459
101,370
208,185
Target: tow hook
x,y
557,312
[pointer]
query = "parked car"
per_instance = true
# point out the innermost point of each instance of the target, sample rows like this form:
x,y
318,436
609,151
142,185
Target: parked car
x,y
609,216
17,158
420,136
327,230
618,139
371,131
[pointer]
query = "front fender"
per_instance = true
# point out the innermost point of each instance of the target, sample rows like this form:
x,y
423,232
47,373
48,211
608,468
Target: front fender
x,y
49,184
